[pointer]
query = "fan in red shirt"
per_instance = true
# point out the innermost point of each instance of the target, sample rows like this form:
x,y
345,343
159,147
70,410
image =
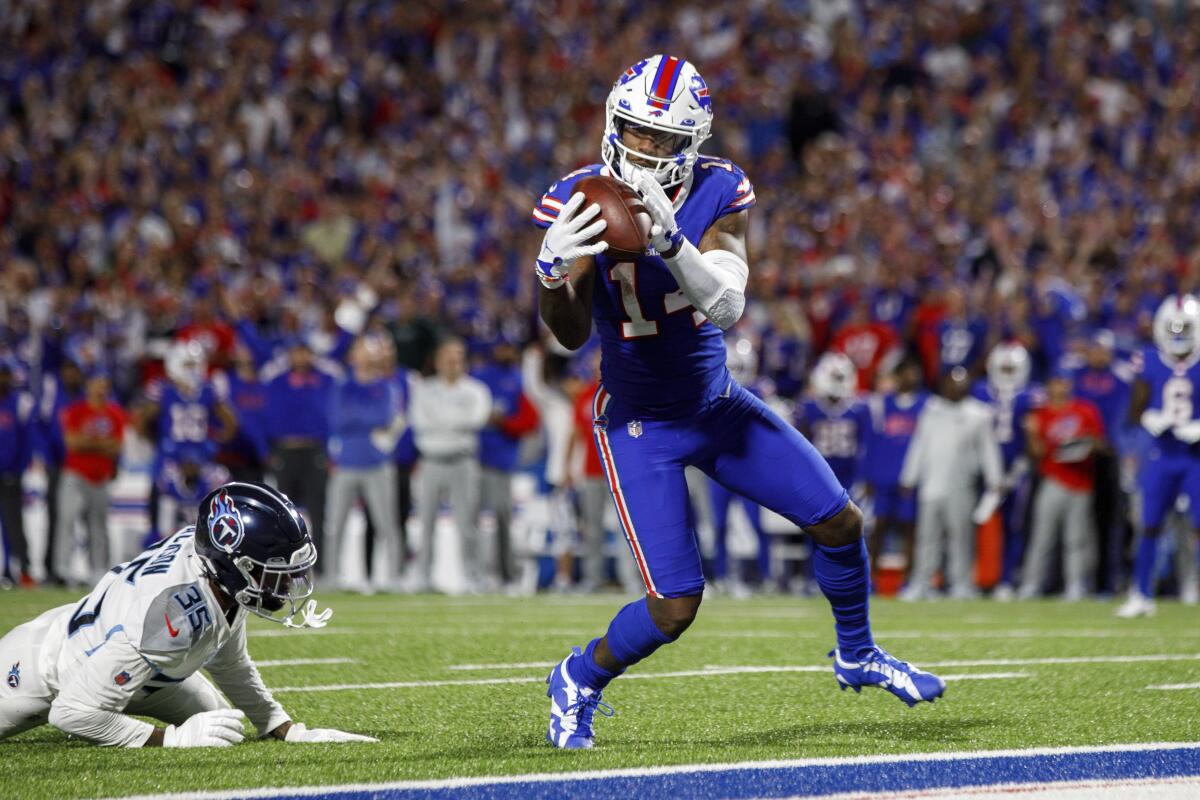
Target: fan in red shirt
x,y
1064,435
871,346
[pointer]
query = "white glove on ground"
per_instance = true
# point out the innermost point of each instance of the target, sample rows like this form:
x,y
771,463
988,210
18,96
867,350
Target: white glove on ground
x,y
220,728
299,733
565,241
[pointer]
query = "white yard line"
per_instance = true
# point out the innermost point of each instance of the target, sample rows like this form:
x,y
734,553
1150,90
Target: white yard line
x,y
557,777
707,672
1170,687
303,662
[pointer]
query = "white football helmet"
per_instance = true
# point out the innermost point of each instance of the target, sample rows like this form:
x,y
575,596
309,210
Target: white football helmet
x,y
1008,367
834,376
186,364
667,95
1177,326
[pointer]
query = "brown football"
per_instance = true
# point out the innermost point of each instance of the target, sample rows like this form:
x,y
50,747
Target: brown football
x,y
628,231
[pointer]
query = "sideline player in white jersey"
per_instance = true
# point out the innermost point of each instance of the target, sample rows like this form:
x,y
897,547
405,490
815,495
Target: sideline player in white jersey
x,y
135,645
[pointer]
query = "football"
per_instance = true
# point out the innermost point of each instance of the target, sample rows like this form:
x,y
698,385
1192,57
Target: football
x,y
628,231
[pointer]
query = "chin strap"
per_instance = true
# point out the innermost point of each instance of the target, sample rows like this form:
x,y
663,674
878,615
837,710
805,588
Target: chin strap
x,y
309,617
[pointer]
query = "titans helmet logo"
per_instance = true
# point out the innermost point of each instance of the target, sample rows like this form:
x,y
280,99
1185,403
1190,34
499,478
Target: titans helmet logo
x,y
225,523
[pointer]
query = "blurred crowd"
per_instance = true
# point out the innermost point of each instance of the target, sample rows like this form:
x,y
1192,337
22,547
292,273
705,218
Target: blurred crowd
x,y
254,193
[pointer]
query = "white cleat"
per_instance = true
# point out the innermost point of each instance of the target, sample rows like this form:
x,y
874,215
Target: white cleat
x,y
1138,605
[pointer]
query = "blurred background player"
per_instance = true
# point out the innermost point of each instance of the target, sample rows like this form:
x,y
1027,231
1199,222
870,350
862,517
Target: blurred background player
x,y
1064,435
1007,392
894,417
16,452
832,417
182,410
1164,402
186,477
448,411
953,447
240,388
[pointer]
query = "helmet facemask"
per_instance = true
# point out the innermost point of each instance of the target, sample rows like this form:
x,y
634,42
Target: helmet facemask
x,y
1177,327
275,586
670,164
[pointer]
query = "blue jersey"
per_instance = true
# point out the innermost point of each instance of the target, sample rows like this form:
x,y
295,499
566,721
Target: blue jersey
x,y
1008,415
838,432
960,343
248,401
659,354
1109,390
497,449
1172,391
185,420
893,421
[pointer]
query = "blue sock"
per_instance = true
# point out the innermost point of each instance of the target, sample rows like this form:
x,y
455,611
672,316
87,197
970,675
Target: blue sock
x,y
845,580
632,635
1143,565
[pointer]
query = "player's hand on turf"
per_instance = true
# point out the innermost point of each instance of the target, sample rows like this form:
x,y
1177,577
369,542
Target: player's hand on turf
x,y
665,235
566,240
299,733
219,728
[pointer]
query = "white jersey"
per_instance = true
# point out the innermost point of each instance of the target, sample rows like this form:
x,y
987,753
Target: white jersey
x,y
148,624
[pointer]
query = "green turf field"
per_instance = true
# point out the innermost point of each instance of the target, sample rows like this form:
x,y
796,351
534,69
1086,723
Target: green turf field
x,y
465,729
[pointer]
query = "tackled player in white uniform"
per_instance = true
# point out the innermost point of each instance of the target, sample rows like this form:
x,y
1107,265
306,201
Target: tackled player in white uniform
x,y
136,644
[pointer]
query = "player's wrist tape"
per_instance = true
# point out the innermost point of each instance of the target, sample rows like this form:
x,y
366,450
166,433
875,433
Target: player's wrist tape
x,y
675,239
545,273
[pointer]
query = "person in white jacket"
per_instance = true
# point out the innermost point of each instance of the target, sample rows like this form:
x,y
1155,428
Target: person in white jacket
x,y
953,446
135,645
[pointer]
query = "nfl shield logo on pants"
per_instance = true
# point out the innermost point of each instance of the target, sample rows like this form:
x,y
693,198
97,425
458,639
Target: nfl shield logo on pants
x,y
634,428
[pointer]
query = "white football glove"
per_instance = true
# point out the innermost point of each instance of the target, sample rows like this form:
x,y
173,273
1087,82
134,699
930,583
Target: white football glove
x,y
220,728
1156,422
299,733
1188,432
665,236
565,241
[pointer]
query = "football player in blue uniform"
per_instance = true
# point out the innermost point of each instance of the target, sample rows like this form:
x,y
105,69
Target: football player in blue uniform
x,y
1007,391
833,419
1164,402
183,411
667,400
893,422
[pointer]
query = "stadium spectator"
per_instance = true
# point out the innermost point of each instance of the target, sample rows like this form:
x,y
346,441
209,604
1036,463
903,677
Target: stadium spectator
x,y
953,447
591,487
94,430
16,451
364,426
1064,435
297,433
246,454
448,411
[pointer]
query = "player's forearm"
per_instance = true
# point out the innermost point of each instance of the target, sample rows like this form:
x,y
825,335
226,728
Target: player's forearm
x,y
714,282
105,728
564,313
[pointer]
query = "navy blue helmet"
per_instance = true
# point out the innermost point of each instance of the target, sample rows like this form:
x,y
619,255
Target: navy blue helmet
x,y
255,544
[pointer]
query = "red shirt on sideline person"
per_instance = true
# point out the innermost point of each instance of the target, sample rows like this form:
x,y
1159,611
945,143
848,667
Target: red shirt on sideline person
x,y
94,428
1058,433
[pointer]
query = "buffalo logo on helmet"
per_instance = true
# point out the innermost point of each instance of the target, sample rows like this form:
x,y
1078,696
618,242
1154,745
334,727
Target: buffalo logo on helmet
x,y
14,676
225,523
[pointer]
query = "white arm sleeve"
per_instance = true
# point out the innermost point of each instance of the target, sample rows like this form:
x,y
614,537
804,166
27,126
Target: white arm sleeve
x,y
91,701
714,282
235,675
